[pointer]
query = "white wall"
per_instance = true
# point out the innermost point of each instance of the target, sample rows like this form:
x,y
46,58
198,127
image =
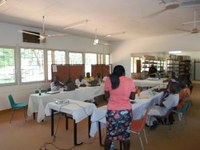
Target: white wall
x,y
121,52
9,36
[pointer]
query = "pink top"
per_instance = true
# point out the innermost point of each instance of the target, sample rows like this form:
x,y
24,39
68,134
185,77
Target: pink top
x,y
119,97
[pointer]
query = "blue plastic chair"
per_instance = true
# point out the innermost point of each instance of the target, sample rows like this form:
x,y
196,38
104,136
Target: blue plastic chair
x,y
181,112
15,106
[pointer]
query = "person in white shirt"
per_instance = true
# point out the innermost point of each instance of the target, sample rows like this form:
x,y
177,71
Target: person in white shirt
x,y
56,84
167,103
81,81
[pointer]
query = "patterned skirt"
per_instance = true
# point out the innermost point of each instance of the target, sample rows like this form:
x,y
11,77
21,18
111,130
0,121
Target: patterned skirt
x,y
118,124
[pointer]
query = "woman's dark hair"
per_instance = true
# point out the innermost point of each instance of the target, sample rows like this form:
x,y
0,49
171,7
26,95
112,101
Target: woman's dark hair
x,y
114,77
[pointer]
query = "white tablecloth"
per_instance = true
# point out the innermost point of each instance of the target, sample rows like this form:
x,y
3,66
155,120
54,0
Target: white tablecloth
x,y
37,103
147,98
149,82
78,110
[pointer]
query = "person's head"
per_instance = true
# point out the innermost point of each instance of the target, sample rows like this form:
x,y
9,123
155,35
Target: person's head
x,y
174,87
116,74
80,77
87,74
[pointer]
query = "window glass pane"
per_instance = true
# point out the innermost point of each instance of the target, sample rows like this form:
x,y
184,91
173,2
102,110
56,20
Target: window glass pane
x,y
90,59
60,57
107,61
32,65
75,58
7,66
55,57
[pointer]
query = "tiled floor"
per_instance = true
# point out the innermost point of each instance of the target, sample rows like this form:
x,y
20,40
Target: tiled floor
x,y
32,135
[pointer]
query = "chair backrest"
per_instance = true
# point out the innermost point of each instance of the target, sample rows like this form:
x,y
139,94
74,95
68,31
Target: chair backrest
x,y
185,106
138,125
12,102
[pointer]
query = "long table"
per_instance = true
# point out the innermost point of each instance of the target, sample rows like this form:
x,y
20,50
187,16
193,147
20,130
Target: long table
x,y
147,98
74,109
37,103
149,82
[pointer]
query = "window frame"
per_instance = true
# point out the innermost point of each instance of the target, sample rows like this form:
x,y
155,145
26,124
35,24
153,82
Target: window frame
x,y
15,65
20,73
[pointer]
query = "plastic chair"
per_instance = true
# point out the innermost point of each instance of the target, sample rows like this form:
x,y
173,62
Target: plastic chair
x,y
164,118
15,106
183,110
137,127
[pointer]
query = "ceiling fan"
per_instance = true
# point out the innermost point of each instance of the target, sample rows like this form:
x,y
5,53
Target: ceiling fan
x,y
97,42
42,36
173,4
194,23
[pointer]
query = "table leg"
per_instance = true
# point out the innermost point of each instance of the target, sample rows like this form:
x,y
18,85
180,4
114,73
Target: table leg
x,y
75,135
52,122
34,116
66,122
100,137
89,126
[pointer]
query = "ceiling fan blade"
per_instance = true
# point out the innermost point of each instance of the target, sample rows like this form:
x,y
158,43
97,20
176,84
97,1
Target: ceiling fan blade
x,y
76,24
105,44
185,30
27,32
156,13
116,33
54,35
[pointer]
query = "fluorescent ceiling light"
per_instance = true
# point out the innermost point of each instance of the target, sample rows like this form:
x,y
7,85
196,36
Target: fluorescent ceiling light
x,y
175,52
2,2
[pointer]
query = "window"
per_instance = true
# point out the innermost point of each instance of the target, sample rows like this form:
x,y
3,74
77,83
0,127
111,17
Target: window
x,y
32,65
132,63
107,59
55,57
75,58
100,58
90,59
7,66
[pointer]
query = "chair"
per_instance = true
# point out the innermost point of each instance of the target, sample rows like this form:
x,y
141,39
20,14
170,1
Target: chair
x,y
137,127
164,118
181,112
15,106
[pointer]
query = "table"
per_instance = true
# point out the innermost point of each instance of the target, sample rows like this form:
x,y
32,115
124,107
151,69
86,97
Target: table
x,y
149,82
38,102
147,98
76,110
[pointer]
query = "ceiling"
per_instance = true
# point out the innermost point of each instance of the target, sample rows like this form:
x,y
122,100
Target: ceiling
x,y
107,16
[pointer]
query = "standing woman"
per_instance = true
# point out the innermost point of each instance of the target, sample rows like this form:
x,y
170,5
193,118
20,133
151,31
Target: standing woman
x,y
119,90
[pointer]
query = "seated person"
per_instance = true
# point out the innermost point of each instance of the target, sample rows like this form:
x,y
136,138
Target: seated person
x,y
88,78
152,71
184,94
167,103
70,85
56,84
81,81
98,78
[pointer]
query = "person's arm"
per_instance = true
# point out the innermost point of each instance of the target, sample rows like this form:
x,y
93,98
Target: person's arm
x,y
132,95
107,95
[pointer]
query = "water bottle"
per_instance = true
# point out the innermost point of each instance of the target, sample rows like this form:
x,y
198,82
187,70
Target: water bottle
x,y
112,147
40,92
